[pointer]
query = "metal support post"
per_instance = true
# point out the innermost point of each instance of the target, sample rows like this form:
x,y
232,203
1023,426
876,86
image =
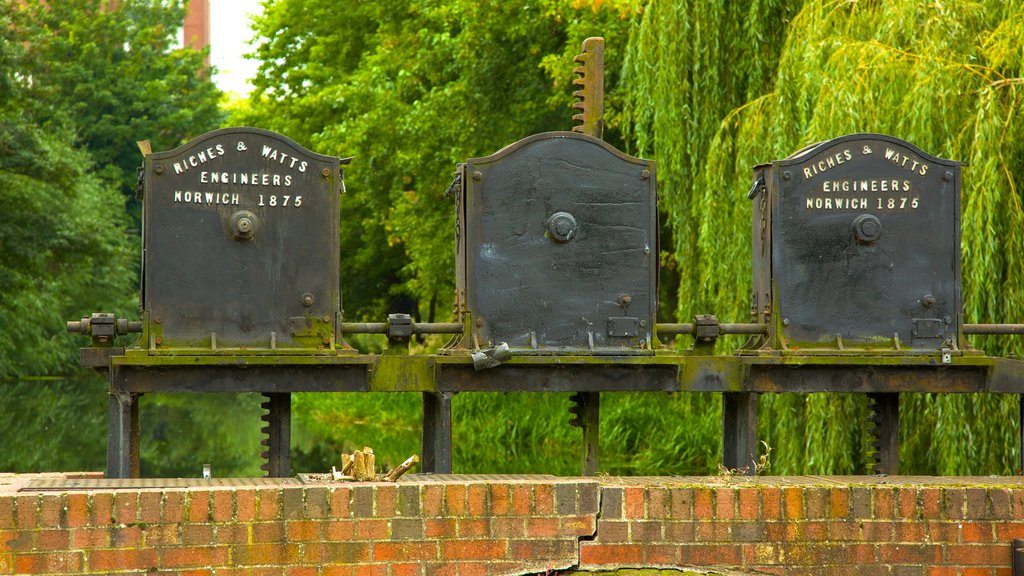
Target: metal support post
x,y
278,420
739,431
123,435
437,433
591,420
886,418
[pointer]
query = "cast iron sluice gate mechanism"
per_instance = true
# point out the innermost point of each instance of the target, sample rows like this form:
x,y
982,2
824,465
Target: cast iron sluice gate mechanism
x,y
856,286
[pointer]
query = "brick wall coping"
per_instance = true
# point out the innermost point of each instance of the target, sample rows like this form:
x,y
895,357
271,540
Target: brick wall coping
x,y
510,525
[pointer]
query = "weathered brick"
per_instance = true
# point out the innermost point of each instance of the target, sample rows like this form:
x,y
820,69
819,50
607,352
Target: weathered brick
x,y
362,501
860,502
126,507
544,499
474,550
156,535
613,531
472,527
843,529
407,528
318,502
976,504
302,530
749,503
713,531
439,527
7,515
232,534
476,498
565,499
794,503
953,503
510,527
750,531
1009,530
407,551
149,506
725,504
58,539
942,531
455,499
661,554
339,530
815,503
118,560
682,503
974,554
78,510
976,532
839,503
340,502
771,503
433,500
908,532
269,505
88,538
681,532
407,569
703,504
542,527
63,562
501,499
597,554
27,514
999,503
197,556
172,507
542,550
409,500
198,506
265,553
885,503
522,499
923,554
588,498
647,531
126,537
196,534
930,501
52,512
268,532
336,552
245,505
385,500
881,531
612,502
376,529
702,554
291,503
906,500
577,525
222,506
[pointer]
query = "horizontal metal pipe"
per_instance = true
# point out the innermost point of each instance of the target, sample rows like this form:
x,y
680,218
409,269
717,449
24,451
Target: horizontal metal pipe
x,y
993,328
688,328
437,328
364,327
744,328
667,329
417,328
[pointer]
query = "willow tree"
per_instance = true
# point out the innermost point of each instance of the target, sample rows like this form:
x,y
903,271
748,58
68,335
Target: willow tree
x,y
945,76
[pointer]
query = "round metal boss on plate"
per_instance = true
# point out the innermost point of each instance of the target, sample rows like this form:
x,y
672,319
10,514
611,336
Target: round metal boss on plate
x,y
866,228
243,225
561,226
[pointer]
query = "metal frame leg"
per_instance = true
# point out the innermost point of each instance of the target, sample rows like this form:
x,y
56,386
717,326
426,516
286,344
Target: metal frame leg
x,y
739,430
437,433
123,435
591,421
278,421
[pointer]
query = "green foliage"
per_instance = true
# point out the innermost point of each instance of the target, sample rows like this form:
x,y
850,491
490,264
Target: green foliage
x,y
112,77
946,77
411,89
80,82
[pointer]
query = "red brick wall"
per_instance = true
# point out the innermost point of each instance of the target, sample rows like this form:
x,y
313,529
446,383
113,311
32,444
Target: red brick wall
x,y
470,525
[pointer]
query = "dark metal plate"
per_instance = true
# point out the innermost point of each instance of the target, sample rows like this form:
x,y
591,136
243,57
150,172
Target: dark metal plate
x,y
241,236
866,244
561,243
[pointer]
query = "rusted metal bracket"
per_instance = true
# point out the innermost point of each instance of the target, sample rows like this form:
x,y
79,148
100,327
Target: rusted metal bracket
x,y
591,92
